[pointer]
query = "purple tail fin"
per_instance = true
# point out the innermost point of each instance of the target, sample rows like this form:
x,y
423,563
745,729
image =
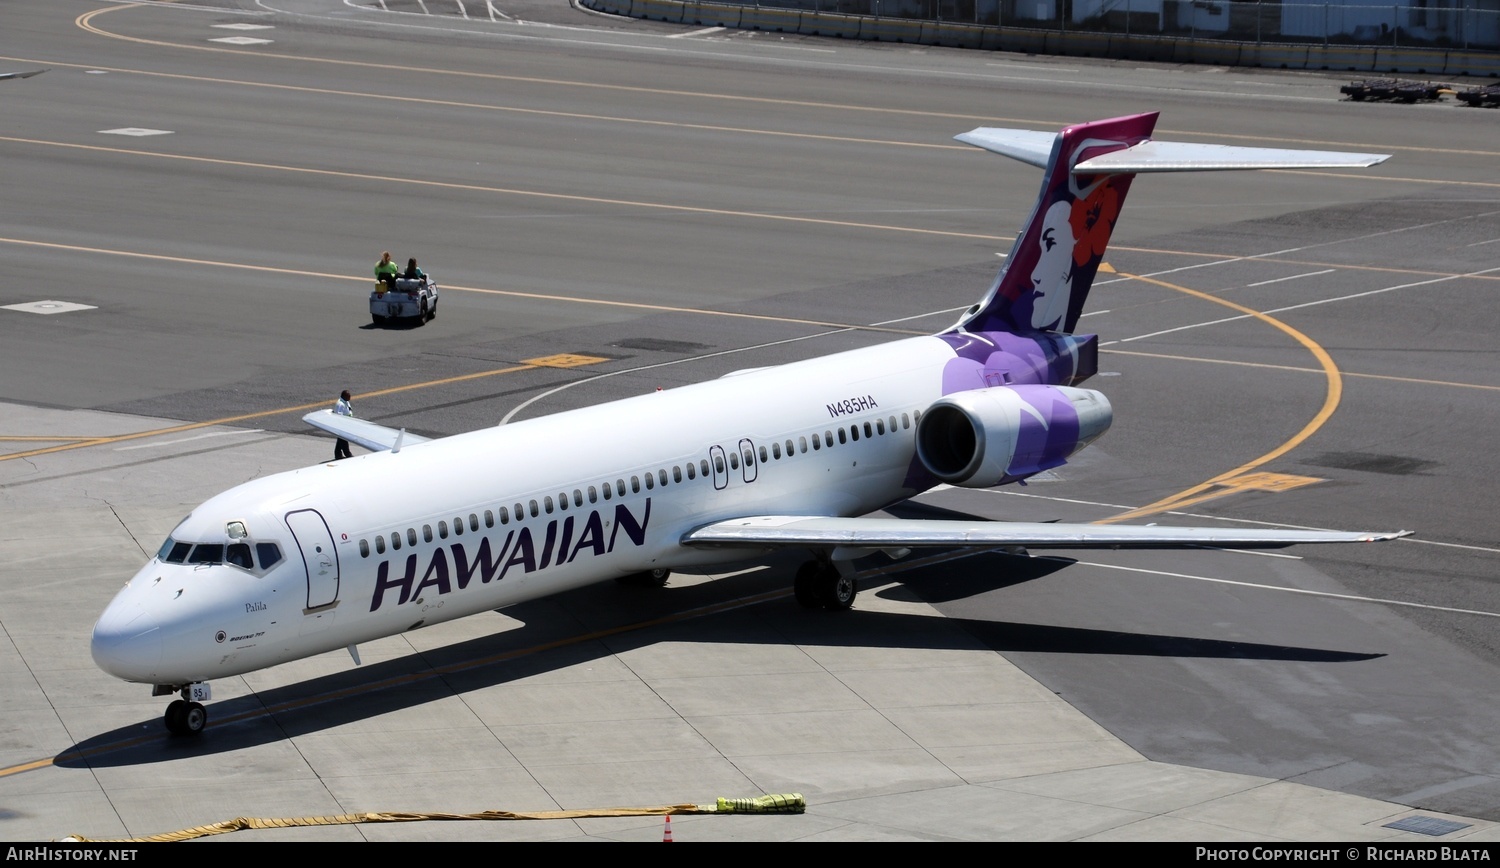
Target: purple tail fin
x,y
1047,276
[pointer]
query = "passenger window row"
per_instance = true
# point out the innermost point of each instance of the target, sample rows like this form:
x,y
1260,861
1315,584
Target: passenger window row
x,y
652,479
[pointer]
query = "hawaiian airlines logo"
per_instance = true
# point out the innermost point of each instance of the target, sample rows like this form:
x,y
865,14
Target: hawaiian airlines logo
x,y
456,566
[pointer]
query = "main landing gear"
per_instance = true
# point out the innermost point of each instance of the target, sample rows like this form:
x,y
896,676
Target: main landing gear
x,y
656,578
820,585
185,716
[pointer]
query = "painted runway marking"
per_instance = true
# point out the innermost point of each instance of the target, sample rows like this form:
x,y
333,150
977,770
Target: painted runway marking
x,y
48,307
1292,277
1258,586
135,131
1305,304
233,433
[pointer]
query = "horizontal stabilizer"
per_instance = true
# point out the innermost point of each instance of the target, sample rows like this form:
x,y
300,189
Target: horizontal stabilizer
x,y
362,431
776,531
1035,148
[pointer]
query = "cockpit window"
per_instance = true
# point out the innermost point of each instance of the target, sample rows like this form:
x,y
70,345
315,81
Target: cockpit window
x,y
269,554
238,554
174,552
207,553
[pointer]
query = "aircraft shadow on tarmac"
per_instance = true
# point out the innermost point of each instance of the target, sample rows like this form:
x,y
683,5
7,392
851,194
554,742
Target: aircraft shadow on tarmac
x,y
608,612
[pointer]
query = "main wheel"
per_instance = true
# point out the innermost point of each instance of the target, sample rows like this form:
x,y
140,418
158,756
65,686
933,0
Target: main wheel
x,y
656,578
840,591
809,585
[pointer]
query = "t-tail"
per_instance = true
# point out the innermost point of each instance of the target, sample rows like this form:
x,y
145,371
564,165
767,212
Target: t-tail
x,y
1088,169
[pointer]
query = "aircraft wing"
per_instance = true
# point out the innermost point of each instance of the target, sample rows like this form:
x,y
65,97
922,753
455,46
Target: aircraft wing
x,y
776,531
362,431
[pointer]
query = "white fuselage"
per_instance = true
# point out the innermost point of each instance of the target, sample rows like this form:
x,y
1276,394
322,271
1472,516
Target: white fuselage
x,y
389,541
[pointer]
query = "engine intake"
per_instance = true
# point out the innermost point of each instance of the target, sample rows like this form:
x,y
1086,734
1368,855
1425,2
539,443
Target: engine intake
x,y
985,437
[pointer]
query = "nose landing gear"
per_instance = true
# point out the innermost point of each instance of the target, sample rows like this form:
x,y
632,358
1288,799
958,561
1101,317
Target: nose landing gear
x,y
185,716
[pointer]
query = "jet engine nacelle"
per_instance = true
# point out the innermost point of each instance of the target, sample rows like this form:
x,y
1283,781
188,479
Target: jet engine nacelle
x,y
984,437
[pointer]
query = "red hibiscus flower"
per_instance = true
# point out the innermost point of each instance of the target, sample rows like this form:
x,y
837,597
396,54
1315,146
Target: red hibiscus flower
x,y
1092,219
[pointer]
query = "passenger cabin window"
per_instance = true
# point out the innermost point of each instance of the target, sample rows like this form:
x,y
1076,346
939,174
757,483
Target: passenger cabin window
x,y
593,494
379,545
364,548
411,536
396,541
426,533
442,530
474,522
691,473
489,518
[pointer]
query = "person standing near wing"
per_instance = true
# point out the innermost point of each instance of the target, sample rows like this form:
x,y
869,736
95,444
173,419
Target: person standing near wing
x,y
343,408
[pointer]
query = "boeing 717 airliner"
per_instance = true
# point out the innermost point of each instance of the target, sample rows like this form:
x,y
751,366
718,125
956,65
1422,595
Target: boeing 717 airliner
x,y
796,456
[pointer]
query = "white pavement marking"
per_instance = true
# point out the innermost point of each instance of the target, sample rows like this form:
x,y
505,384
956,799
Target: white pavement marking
x,y
1292,277
190,439
49,307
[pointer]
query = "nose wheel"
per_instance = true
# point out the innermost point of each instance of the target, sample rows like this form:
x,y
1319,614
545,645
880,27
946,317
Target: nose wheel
x,y
186,718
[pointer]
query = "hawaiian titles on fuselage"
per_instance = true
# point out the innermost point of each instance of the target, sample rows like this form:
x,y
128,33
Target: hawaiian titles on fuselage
x,y
564,540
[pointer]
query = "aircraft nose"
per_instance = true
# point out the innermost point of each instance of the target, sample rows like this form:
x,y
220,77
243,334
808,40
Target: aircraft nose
x,y
127,643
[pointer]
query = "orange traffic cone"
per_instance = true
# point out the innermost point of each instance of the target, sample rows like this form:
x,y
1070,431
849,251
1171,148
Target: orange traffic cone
x,y
666,835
